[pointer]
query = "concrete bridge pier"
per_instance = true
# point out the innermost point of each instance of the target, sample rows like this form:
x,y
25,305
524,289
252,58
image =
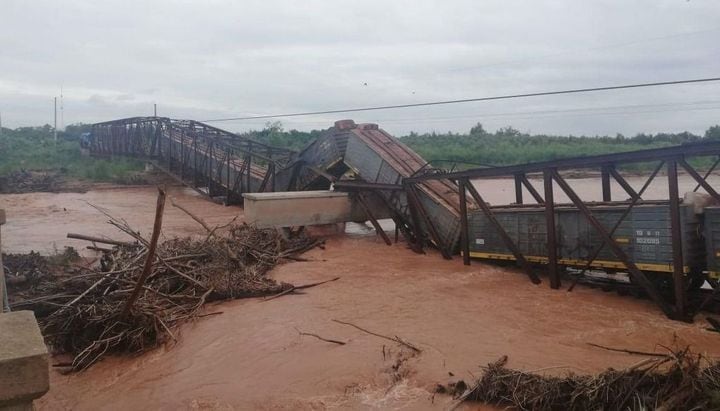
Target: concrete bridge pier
x,y
24,374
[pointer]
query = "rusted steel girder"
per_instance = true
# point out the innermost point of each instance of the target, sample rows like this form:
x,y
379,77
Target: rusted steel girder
x,y
676,234
366,208
417,209
553,269
531,189
518,189
464,229
700,180
707,173
623,183
665,153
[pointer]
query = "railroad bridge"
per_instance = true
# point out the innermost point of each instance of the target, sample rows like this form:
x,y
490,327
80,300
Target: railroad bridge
x,y
443,209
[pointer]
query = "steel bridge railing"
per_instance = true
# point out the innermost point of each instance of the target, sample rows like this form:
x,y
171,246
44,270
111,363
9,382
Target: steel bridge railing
x,y
213,161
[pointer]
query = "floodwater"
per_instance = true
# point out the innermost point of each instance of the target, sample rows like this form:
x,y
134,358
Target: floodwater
x,y
252,356
41,221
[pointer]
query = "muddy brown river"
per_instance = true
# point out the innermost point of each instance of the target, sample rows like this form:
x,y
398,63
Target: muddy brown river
x,y
252,356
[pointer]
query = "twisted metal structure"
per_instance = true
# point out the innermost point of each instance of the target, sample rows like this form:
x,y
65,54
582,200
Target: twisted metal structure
x,y
429,205
215,162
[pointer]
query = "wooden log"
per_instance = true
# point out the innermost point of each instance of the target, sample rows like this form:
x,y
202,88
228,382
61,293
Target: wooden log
x,y
151,252
101,240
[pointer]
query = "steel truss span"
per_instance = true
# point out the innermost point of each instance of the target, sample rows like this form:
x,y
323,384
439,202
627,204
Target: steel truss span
x,y
677,299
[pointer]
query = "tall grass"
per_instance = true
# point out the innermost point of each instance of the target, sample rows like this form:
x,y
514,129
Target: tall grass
x,y
34,149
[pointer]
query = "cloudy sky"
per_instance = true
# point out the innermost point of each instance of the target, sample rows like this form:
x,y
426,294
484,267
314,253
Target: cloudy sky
x,y
207,59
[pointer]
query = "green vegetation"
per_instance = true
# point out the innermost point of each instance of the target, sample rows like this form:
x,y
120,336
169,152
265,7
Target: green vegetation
x,y
275,135
509,146
505,146
33,148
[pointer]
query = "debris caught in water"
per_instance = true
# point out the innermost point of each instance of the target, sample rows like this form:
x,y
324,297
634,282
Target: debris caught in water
x,y
679,379
82,313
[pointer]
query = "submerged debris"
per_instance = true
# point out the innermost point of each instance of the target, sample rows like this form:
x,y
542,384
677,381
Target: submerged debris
x,y
678,380
82,313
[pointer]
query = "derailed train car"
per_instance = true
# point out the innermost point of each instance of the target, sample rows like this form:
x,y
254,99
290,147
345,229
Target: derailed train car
x,y
378,157
644,235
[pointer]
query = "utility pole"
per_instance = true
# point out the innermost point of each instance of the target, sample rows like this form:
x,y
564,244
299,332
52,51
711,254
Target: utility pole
x,y
55,125
155,109
62,111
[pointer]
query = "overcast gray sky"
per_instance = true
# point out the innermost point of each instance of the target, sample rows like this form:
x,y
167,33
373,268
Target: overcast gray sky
x,y
219,58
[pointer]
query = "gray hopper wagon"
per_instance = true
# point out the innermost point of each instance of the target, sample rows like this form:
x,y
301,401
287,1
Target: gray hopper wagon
x,y
325,153
377,157
644,235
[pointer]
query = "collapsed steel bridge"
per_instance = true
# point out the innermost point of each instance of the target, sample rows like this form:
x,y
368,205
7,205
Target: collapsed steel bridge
x,y
430,206
216,163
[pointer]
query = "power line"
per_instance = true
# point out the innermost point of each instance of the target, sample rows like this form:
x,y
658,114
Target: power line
x,y
470,100
676,106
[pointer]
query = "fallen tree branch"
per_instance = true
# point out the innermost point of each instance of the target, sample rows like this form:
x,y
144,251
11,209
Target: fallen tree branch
x,y
395,339
209,314
151,252
299,287
193,216
92,239
84,314
321,338
101,249
650,354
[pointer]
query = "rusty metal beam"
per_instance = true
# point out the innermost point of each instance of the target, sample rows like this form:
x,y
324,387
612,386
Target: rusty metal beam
x,y
518,189
700,180
605,179
327,176
412,194
378,229
415,217
553,269
623,183
509,243
531,189
266,179
676,233
707,174
464,229
696,149
400,222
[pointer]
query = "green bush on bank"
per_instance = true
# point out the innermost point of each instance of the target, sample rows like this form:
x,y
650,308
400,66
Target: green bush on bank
x,y
33,148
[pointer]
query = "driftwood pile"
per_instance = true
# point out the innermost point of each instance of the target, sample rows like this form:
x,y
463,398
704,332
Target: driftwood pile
x,y
131,303
678,380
